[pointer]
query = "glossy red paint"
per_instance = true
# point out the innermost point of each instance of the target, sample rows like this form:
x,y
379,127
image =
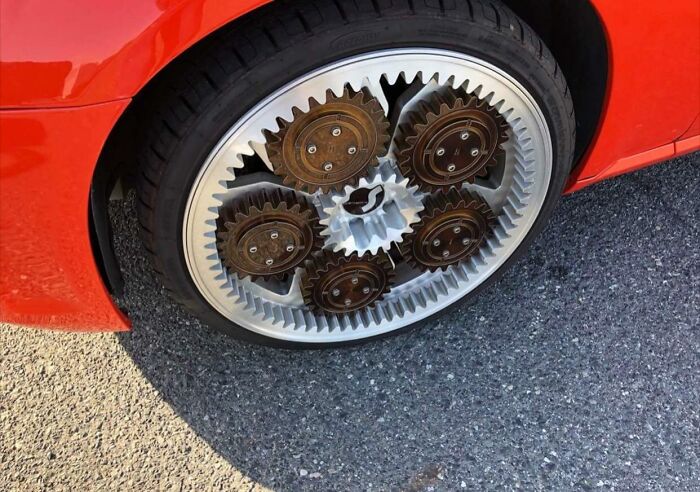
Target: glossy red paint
x,y
653,88
79,52
83,60
48,276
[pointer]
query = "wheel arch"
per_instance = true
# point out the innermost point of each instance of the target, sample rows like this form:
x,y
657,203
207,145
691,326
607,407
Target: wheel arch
x,y
563,26
576,36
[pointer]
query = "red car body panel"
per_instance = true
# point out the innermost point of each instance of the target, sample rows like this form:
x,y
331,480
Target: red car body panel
x,y
68,69
653,98
48,275
79,52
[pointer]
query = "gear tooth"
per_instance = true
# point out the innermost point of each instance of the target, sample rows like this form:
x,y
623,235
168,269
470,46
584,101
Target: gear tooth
x,y
263,200
282,123
357,98
420,128
411,139
329,95
405,130
431,118
426,107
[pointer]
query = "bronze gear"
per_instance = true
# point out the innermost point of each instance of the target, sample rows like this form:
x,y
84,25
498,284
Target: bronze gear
x,y
332,144
450,139
452,228
335,283
268,234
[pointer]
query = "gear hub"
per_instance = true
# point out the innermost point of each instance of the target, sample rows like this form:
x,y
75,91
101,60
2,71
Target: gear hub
x,y
453,227
332,144
268,234
335,283
449,139
373,215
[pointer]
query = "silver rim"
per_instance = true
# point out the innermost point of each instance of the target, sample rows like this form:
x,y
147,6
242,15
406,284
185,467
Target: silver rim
x,y
280,313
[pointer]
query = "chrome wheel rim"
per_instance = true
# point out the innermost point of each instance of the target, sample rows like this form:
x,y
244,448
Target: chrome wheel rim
x,y
517,198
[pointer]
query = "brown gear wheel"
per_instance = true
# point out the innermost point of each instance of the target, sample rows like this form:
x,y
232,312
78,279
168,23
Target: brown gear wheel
x,y
452,228
268,234
335,283
450,139
332,144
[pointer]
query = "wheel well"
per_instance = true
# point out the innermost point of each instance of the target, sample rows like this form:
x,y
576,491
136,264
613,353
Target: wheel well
x,y
574,33
570,28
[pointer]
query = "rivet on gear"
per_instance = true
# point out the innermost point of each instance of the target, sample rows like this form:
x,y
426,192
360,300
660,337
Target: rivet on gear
x,y
332,145
268,234
449,139
335,283
453,227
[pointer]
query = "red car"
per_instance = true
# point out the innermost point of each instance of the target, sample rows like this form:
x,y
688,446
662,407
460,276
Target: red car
x,y
309,173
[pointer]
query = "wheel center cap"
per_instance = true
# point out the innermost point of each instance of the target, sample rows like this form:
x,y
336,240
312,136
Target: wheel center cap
x,y
364,200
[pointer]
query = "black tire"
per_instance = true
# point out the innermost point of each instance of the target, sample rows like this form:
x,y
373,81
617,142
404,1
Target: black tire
x,y
205,91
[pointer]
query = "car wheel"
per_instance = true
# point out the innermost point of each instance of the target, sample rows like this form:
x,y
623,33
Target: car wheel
x,y
339,171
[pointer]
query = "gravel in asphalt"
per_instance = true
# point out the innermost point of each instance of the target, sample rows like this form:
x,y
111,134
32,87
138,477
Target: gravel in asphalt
x,y
579,370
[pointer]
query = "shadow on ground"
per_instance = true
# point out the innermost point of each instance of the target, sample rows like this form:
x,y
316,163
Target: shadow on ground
x,y
579,368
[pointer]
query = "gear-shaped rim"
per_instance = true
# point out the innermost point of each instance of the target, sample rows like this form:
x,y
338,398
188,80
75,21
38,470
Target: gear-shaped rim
x,y
528,153
379,228
451,138
452,228
303,148
339,284
275,226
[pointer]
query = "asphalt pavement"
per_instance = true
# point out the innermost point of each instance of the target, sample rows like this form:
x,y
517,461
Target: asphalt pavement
x,y
579,370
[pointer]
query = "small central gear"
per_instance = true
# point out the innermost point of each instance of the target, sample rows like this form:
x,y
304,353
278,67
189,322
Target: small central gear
x,y
453,227
372,215
332,144
268,234
451,138
341,284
